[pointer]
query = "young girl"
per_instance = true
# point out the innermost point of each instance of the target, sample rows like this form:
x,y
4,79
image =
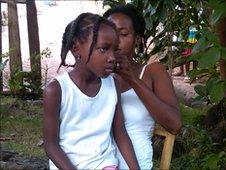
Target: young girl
x,y
146,90
80,106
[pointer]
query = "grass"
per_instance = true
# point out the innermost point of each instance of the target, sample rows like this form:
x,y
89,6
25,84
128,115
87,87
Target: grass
x,y
192,115
194,148
21,121
183,146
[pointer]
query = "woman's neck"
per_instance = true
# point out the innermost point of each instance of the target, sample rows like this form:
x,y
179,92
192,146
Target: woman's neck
x,y
137,67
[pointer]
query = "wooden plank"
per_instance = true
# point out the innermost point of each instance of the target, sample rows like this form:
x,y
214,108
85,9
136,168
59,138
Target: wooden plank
x,y
1,78
34,44
221,30
167,147
14,38
17,1
167,152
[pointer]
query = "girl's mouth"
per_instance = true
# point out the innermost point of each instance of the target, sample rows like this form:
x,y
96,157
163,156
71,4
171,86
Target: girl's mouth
x,y
109,70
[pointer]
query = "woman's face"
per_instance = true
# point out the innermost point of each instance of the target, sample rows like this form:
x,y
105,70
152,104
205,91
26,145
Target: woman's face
x,y
127,35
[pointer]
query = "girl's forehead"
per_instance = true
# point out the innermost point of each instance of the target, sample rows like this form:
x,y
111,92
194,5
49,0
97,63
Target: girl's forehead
x,y
107,33
107,29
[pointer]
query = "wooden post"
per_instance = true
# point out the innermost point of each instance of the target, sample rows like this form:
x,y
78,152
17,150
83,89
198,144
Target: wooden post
x,y
221,29
1,75
34,45
14,38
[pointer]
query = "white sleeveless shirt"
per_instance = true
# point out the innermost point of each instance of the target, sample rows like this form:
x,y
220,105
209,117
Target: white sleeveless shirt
x,y
139,125
85,124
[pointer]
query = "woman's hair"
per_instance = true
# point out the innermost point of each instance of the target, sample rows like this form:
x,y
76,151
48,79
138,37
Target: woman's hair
x,y
136,18
79,30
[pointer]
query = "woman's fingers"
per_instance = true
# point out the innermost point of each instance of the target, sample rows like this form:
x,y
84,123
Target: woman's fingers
x,y
122,66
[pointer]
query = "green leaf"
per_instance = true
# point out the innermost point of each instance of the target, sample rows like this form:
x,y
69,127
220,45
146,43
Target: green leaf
x,y
162,14
2,65
211,83
210,58
196,56
211,161
217,92
212,37
149,23
200,90
202,44
170,4
138,4
218,12
223,53
150,10
197,72
110,3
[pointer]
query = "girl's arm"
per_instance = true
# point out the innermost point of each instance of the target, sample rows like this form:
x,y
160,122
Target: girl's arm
x,y
121,137
156,93
52,100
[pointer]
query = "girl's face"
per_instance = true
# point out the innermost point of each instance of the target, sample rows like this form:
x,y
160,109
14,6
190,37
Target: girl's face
x,y
102,59
127,35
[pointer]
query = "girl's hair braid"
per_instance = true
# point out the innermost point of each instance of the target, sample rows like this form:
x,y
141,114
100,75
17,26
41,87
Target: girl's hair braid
x,y
95,35
96,27
68,37
79,30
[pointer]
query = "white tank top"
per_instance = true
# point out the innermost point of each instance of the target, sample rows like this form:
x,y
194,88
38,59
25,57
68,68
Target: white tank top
x,y
85,124
139,125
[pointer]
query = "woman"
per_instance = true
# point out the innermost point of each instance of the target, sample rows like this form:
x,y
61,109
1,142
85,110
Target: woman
x,y
146,90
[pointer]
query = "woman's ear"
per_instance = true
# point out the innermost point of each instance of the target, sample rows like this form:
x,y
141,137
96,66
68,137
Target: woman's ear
x,y
138,40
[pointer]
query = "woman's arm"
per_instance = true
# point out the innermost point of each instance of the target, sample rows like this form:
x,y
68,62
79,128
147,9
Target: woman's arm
x,y
156,92
121,137
161,100
52,100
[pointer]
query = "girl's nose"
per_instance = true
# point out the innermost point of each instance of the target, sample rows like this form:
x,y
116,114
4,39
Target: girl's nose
x,y
111,58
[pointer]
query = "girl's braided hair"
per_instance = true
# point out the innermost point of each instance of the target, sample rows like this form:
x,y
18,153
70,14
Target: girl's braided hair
x,y
136,18
79,30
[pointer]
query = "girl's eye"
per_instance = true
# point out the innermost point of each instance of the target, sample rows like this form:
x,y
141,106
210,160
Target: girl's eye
x,y
124,34
103,50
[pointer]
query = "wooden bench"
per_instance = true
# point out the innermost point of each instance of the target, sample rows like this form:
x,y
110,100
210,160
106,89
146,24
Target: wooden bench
x,y
167,147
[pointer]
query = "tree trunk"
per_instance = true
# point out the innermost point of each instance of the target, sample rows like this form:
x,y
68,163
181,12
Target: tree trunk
x,y
34,45
221,28
1,76
14,38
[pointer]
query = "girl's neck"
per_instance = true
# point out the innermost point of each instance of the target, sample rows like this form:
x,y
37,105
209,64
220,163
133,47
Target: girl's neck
x,y
87,82
83,75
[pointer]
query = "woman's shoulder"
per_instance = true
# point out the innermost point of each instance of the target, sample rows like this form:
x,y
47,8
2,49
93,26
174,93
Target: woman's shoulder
x,y
155,68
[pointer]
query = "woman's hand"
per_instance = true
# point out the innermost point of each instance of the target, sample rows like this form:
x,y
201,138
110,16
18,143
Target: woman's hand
x,y
124,68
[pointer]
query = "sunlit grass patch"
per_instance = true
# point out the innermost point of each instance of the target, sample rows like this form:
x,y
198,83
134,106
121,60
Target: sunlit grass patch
x,y
21,123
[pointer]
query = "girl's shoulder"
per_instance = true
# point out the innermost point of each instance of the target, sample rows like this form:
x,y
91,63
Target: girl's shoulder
x,y
55,83
53,87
